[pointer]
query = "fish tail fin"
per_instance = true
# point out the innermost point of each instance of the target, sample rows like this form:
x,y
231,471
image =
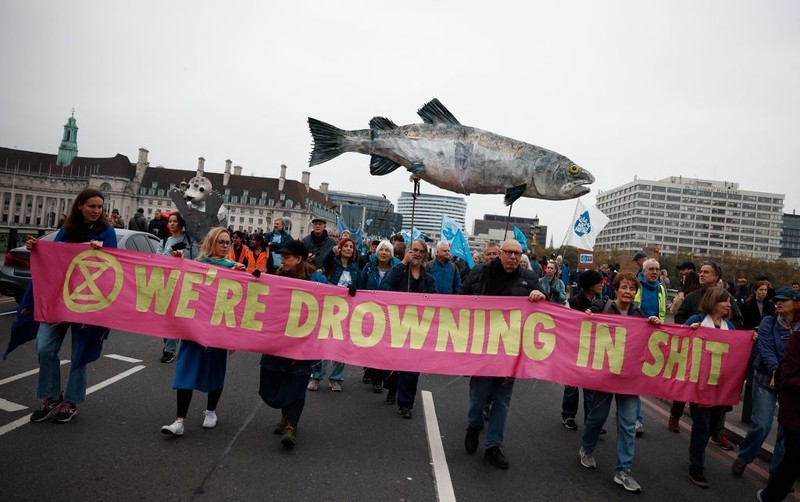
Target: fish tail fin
x,y
327,141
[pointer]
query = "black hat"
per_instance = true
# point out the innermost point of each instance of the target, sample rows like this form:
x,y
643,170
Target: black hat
x,y
115,210
314,220
638,255
295,247
787,293
140,210
589,279
685,265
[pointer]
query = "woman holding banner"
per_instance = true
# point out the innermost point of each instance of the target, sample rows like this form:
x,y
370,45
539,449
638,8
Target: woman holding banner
x,y
198,367
371,278
715,308
625,287
86,223
341,267
282,380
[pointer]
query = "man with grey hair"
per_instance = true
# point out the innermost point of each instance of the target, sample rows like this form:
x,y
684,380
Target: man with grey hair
x,y
448,280
274,241
501,276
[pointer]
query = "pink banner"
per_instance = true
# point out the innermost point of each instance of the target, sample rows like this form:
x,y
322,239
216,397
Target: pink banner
x,y
445,334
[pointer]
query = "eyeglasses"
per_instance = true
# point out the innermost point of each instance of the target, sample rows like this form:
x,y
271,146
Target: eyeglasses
x,y
509,252
224,243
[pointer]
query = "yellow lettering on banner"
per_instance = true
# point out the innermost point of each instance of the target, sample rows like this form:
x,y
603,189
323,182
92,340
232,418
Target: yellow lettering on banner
x,y
717,349
301,302
411,324
253,305
697,358
188,294
584,344
609,346
654,342
531,333
509,332
357,324
678,358
229,294
154,288
457,333
478,328
334,311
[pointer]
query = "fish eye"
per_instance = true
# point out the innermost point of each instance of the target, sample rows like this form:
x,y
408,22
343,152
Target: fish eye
x,y
573,169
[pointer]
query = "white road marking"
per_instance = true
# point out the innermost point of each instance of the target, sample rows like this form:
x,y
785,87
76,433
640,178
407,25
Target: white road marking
x,y
122,358
441,473
26,373
8,313
7,405
27,418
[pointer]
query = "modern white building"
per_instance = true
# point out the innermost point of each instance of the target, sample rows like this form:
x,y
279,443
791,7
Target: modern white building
x,y
694,216
428,211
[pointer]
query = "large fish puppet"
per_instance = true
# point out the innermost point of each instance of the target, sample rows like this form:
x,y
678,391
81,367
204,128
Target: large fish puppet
x,y
455,157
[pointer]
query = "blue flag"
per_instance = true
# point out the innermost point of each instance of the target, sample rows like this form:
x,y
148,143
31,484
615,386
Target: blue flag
x,y
520,237
341,227
409,236
460,248
449,228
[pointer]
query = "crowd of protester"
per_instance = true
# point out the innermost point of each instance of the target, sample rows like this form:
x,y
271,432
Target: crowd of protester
x,y
699,298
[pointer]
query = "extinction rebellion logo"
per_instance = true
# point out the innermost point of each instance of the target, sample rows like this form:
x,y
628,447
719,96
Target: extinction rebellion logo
x,y
93,281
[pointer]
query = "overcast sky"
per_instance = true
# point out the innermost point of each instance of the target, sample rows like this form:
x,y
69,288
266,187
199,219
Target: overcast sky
x,y
706,89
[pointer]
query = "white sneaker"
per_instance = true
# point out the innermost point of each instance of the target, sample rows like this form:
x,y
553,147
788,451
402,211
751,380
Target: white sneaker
x,y
336,386
587,459
625,479
209,419
176,428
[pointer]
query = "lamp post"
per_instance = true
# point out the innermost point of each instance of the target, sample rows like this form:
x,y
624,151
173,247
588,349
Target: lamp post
x,y
535,232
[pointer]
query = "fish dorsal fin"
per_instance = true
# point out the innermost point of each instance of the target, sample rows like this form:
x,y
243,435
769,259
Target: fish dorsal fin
x,y
382,123
434,112
378,166
514,193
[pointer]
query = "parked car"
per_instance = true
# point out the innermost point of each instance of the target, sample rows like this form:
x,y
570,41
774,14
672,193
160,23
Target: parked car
x,y
16,272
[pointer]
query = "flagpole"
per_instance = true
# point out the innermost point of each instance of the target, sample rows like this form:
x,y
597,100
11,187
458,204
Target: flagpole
x,y
508,219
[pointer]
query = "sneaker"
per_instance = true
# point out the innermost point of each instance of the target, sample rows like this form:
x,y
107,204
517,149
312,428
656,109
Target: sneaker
x,y
570,424
175,428
738,468
471,441
699,479
722,441
377,388
289,438
404,412
65,413
639,428
335,386
391,397
209,419
167,357
587,459
46,409
674,424
280,426
313,384
625,479
496,457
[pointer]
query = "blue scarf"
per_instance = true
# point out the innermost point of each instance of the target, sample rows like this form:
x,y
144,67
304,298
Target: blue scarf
x,y
649,303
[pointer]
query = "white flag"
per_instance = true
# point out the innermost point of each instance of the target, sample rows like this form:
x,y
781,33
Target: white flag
x,y
586,224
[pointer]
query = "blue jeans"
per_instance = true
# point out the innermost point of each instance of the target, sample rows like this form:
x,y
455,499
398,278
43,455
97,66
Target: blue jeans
x,y
761,418
703,419
569,403
626,425
171,345
499,390
48,344
337,371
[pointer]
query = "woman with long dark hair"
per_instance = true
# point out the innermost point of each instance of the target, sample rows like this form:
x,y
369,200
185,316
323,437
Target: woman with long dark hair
x,y
198,367
179,245
86,222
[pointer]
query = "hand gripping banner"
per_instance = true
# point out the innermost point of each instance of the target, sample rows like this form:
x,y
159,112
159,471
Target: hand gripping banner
x,y
445,334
